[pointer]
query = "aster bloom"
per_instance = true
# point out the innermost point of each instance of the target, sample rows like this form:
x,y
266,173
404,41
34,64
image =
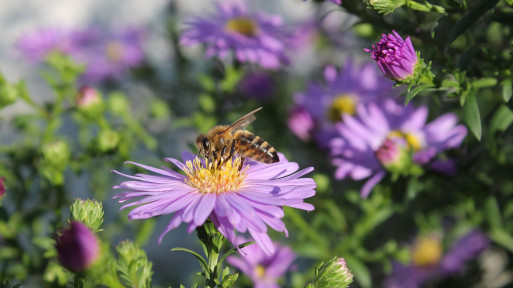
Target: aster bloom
x,y
235,197
115,54
77,247
395,57
362,140
341,93
429,262
252,37
264,269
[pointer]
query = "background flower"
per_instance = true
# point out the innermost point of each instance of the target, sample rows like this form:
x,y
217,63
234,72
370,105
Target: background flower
x,y
253,37
77,247
264,270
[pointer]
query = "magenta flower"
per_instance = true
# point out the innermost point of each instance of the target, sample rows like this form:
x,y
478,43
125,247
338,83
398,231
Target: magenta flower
x,y
361,136
430,263
341,94
252,37
77,247
245,200
263,269
395,57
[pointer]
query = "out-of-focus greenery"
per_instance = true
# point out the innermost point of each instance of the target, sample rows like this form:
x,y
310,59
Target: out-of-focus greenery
x,y
57,147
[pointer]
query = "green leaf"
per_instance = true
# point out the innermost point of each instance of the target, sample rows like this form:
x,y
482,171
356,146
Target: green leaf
x,y
501,120
412,93
470,18
507,90
231,251
493,213
472,116
503,238
467,56
360,271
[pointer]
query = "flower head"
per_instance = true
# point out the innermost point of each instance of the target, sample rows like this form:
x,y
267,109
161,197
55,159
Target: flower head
x,y
341,94
77,247
358,148
395,56
264,269
2,187
252,37
430,262
246,197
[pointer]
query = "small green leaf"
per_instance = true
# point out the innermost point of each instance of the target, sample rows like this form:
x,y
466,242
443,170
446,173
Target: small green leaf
x,y
470,18
472,116
503,238
493,213
412,93
467,56
360,271
231,251
501,120
200,259
507,90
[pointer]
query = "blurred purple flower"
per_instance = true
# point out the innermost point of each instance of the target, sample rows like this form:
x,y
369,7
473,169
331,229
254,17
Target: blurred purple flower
x,y
264,269
300,122
341,94
106,55
414,275
77,247
338,2
395,57
249,199
252,37
257,85
114,55
360,136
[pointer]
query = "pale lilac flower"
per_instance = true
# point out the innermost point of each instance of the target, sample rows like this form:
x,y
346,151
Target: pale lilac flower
x,y
263,269
341,93
114,55
249,36
362,135
395,56
434,264
245,200
77,247
300,122
87,97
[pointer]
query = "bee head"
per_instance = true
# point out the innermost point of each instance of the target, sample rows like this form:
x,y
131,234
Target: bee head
x,y
203,145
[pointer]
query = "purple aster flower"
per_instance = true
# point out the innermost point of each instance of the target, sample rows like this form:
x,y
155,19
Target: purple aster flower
x,y
77,247
338,2
361,136
245,199
114,55
257,85
341,94
264,269
252,37
430,263
395,57
301,123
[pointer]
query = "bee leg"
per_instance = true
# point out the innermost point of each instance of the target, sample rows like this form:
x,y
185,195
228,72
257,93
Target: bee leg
x,y
221,160
242,159
230,155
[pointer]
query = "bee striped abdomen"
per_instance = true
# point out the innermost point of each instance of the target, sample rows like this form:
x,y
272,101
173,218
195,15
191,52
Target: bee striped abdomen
x,y
256,148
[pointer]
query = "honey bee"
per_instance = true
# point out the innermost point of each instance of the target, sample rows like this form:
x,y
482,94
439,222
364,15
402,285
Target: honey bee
x,y
233,139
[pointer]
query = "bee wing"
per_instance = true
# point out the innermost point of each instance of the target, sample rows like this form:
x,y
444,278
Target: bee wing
x,y
242,122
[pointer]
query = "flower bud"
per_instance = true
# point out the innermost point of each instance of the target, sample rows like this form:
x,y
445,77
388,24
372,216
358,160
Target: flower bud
x,y
118,104
2,187
88,212
133,265
77,247
89,102
334,273
392,155
107,140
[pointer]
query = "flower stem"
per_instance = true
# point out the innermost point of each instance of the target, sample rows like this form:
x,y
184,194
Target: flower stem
x,y
78,282
211,241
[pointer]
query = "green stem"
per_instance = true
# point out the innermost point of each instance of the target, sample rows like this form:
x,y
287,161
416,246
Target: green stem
x,y
78,282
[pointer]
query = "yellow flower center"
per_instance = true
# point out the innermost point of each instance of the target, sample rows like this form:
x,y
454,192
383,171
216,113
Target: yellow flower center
x,y
342,103
244,26
215,178
412,141
260,271
114,50
427,251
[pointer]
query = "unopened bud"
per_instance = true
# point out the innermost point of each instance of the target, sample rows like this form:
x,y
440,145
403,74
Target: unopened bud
x,y
333,273
386,6
88,212
77,247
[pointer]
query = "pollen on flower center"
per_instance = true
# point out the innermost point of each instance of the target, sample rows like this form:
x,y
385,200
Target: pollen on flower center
x,y
113,50
427,251
412,141
342,103
244,26
260,271
214,178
